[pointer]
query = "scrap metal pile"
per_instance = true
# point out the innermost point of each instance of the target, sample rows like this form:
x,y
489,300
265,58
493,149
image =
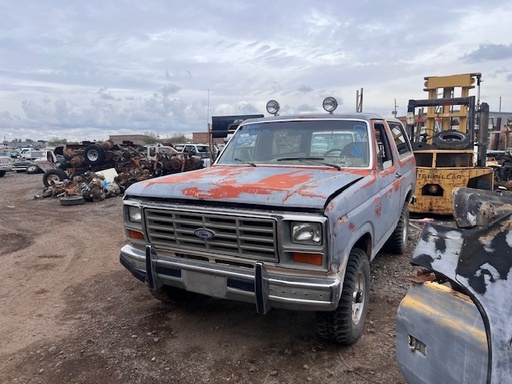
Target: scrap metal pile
x,y
82,172
91,186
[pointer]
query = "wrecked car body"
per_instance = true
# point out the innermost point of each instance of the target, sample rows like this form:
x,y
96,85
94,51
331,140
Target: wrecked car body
x,y
289,216
5,165
454,325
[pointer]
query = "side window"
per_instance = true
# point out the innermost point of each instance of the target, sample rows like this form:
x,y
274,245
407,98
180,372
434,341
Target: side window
x,y
384,156
402,142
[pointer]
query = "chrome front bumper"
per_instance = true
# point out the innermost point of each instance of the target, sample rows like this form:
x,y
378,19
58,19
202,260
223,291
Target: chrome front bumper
x,y
256,285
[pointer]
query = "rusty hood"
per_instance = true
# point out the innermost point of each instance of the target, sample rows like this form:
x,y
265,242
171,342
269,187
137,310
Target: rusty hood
x,y
272,186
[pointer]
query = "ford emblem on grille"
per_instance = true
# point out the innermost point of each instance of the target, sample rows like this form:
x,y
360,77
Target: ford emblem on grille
x,y
204,233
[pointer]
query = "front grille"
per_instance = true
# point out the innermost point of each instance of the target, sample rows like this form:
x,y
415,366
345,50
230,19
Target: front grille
x,y
238,236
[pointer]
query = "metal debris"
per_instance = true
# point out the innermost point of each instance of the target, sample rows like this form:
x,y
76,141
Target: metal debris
x,y
84,164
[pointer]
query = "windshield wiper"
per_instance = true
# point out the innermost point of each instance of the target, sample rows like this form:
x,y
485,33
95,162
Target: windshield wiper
x,y
244,162
316,159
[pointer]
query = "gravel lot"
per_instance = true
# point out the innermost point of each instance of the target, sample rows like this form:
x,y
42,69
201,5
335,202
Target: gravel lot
x,y
72,314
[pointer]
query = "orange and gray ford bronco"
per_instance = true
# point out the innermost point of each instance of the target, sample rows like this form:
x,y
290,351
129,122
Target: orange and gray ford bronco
x,y
289,216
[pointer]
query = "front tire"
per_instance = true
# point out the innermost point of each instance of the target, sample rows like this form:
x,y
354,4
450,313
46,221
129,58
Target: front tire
x,y
397,242
345,324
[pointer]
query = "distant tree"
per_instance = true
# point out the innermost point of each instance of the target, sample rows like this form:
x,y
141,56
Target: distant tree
x,y
150,138
57,141
178,139
29,140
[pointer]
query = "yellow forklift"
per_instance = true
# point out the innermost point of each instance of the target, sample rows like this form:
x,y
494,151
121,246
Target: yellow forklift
x,y
449,147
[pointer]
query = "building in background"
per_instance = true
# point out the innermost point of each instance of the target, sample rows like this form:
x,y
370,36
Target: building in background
x,y
202,138
135,139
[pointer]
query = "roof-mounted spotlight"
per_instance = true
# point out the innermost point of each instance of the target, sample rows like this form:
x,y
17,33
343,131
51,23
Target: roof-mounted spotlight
x,y
330,104
273,107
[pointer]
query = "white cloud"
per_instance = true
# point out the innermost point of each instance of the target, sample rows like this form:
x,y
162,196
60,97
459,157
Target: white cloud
x,y
84,70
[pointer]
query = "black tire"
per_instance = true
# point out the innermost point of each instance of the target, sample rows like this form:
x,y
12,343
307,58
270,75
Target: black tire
x,y
505,172
397,242
33,169
2,173
451,139
345,324
53,175
71,200
171,295
94,154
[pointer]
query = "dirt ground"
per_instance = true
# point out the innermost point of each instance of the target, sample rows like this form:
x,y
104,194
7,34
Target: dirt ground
x,y
70,313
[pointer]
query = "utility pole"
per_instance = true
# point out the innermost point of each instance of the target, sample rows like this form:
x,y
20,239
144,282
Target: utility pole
x,y
394,112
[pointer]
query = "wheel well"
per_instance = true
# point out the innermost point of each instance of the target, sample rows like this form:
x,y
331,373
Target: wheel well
x,y
364,243
408,198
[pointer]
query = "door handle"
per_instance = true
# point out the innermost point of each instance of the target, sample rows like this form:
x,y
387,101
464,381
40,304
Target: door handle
x,y
398,175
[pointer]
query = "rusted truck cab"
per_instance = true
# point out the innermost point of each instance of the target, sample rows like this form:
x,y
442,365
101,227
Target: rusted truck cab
x,y
289,216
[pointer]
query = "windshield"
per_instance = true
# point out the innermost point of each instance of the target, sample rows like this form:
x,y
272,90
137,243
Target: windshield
x,y
339,143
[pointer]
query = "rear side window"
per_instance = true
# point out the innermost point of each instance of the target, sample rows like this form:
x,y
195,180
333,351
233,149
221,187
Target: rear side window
x,y
402,142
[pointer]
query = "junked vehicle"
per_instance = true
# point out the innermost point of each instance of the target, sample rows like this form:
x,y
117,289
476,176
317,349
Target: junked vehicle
x,y
454,325
278,221
201,150
14,155
28,161
289,216
5,165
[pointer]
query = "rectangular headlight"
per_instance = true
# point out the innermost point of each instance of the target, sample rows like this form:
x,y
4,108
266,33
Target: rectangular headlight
x,y
134,214
306,233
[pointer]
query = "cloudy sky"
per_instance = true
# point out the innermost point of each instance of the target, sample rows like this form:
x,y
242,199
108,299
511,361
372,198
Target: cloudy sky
x,y
87,69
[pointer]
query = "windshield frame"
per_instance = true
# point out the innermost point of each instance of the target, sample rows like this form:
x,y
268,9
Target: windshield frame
x,y
306,141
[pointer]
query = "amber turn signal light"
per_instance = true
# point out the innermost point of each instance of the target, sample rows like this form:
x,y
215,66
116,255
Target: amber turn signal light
x,y
308,258
135,235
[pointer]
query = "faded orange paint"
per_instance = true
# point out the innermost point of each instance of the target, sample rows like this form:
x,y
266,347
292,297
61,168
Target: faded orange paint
x,y
396,185
186,176
389,170
360,172
230,189
378,210
304,192
342,220
371,181
330,207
